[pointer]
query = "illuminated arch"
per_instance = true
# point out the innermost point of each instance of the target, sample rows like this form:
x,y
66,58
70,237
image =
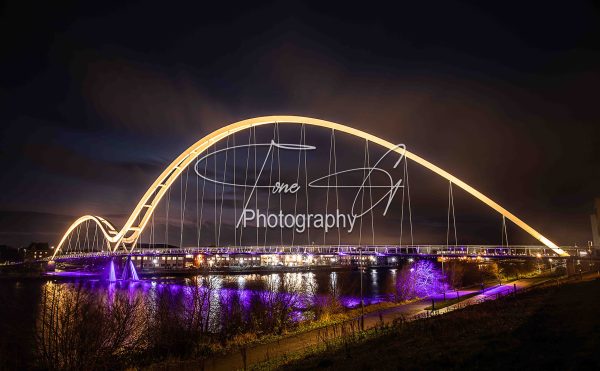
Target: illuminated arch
x,y
108,230
140,216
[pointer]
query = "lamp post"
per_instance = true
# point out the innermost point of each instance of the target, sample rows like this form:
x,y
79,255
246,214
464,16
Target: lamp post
x,y
362,302
443,278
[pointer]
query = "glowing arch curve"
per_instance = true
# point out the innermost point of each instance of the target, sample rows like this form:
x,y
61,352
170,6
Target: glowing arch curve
x,y
107,229
140,216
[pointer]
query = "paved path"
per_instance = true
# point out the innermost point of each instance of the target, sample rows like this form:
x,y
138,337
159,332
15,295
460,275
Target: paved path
x,y
263,352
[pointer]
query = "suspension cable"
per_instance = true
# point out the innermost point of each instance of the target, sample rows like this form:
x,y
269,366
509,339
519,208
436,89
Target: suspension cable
x,y
223,192
362,195
197,208
78,245
504,231
215,196
453,215
297,180
167,218
86,241
270,182
200,222
184,197
448,218
412,241
402,207
70,238
328,182
246,181
308,241
152,240
451,210
337,198
371,194
234,191
279,180
255,180
95,243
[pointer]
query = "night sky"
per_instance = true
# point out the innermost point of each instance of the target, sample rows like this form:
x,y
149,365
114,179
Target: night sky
x,y
97,99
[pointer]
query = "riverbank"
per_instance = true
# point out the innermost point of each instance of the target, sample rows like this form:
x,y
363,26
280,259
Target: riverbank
x,y
549,328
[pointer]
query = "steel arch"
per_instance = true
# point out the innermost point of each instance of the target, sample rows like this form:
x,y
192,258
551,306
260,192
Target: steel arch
x,y
131,230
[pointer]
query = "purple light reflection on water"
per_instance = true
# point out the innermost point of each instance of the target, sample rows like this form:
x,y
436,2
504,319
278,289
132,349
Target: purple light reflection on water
x,y
73,274
245,291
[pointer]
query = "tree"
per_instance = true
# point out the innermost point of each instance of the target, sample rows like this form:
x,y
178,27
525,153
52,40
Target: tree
x,y
420,279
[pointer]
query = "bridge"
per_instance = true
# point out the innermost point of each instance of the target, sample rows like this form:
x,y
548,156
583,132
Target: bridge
x,y
94,236
443,251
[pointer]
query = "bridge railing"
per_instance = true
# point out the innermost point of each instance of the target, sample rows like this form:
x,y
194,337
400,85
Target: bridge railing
x,y
535,251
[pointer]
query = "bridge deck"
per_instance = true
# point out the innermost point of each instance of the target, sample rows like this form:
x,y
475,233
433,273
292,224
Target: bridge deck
x,y
521,251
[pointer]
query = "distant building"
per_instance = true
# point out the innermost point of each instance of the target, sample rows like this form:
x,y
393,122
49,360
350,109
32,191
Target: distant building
x,y
36,251
596,223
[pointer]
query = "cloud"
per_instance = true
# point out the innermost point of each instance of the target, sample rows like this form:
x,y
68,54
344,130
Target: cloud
x,y
135,96
495,129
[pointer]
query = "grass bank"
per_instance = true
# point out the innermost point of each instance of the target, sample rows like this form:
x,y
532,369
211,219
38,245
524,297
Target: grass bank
x,y
551,328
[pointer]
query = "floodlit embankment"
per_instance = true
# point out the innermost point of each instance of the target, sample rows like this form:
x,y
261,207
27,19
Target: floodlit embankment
x,y
555,327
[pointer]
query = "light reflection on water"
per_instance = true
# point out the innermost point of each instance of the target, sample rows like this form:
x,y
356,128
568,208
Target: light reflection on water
x,y
378,285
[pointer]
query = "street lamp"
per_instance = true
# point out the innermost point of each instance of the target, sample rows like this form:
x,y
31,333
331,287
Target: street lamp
x,y
443,278
362,302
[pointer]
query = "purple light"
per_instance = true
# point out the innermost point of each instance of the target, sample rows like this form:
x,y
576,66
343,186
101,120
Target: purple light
x,y
352,302
422,279
72,274
129,271
112,277
427,279
134,275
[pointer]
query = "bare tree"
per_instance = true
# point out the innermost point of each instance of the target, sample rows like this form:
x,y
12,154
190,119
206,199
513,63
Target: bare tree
x,y
325,305
79,330
179,321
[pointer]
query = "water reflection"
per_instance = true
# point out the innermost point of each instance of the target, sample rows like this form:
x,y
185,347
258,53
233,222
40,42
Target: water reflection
x,y
414,278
